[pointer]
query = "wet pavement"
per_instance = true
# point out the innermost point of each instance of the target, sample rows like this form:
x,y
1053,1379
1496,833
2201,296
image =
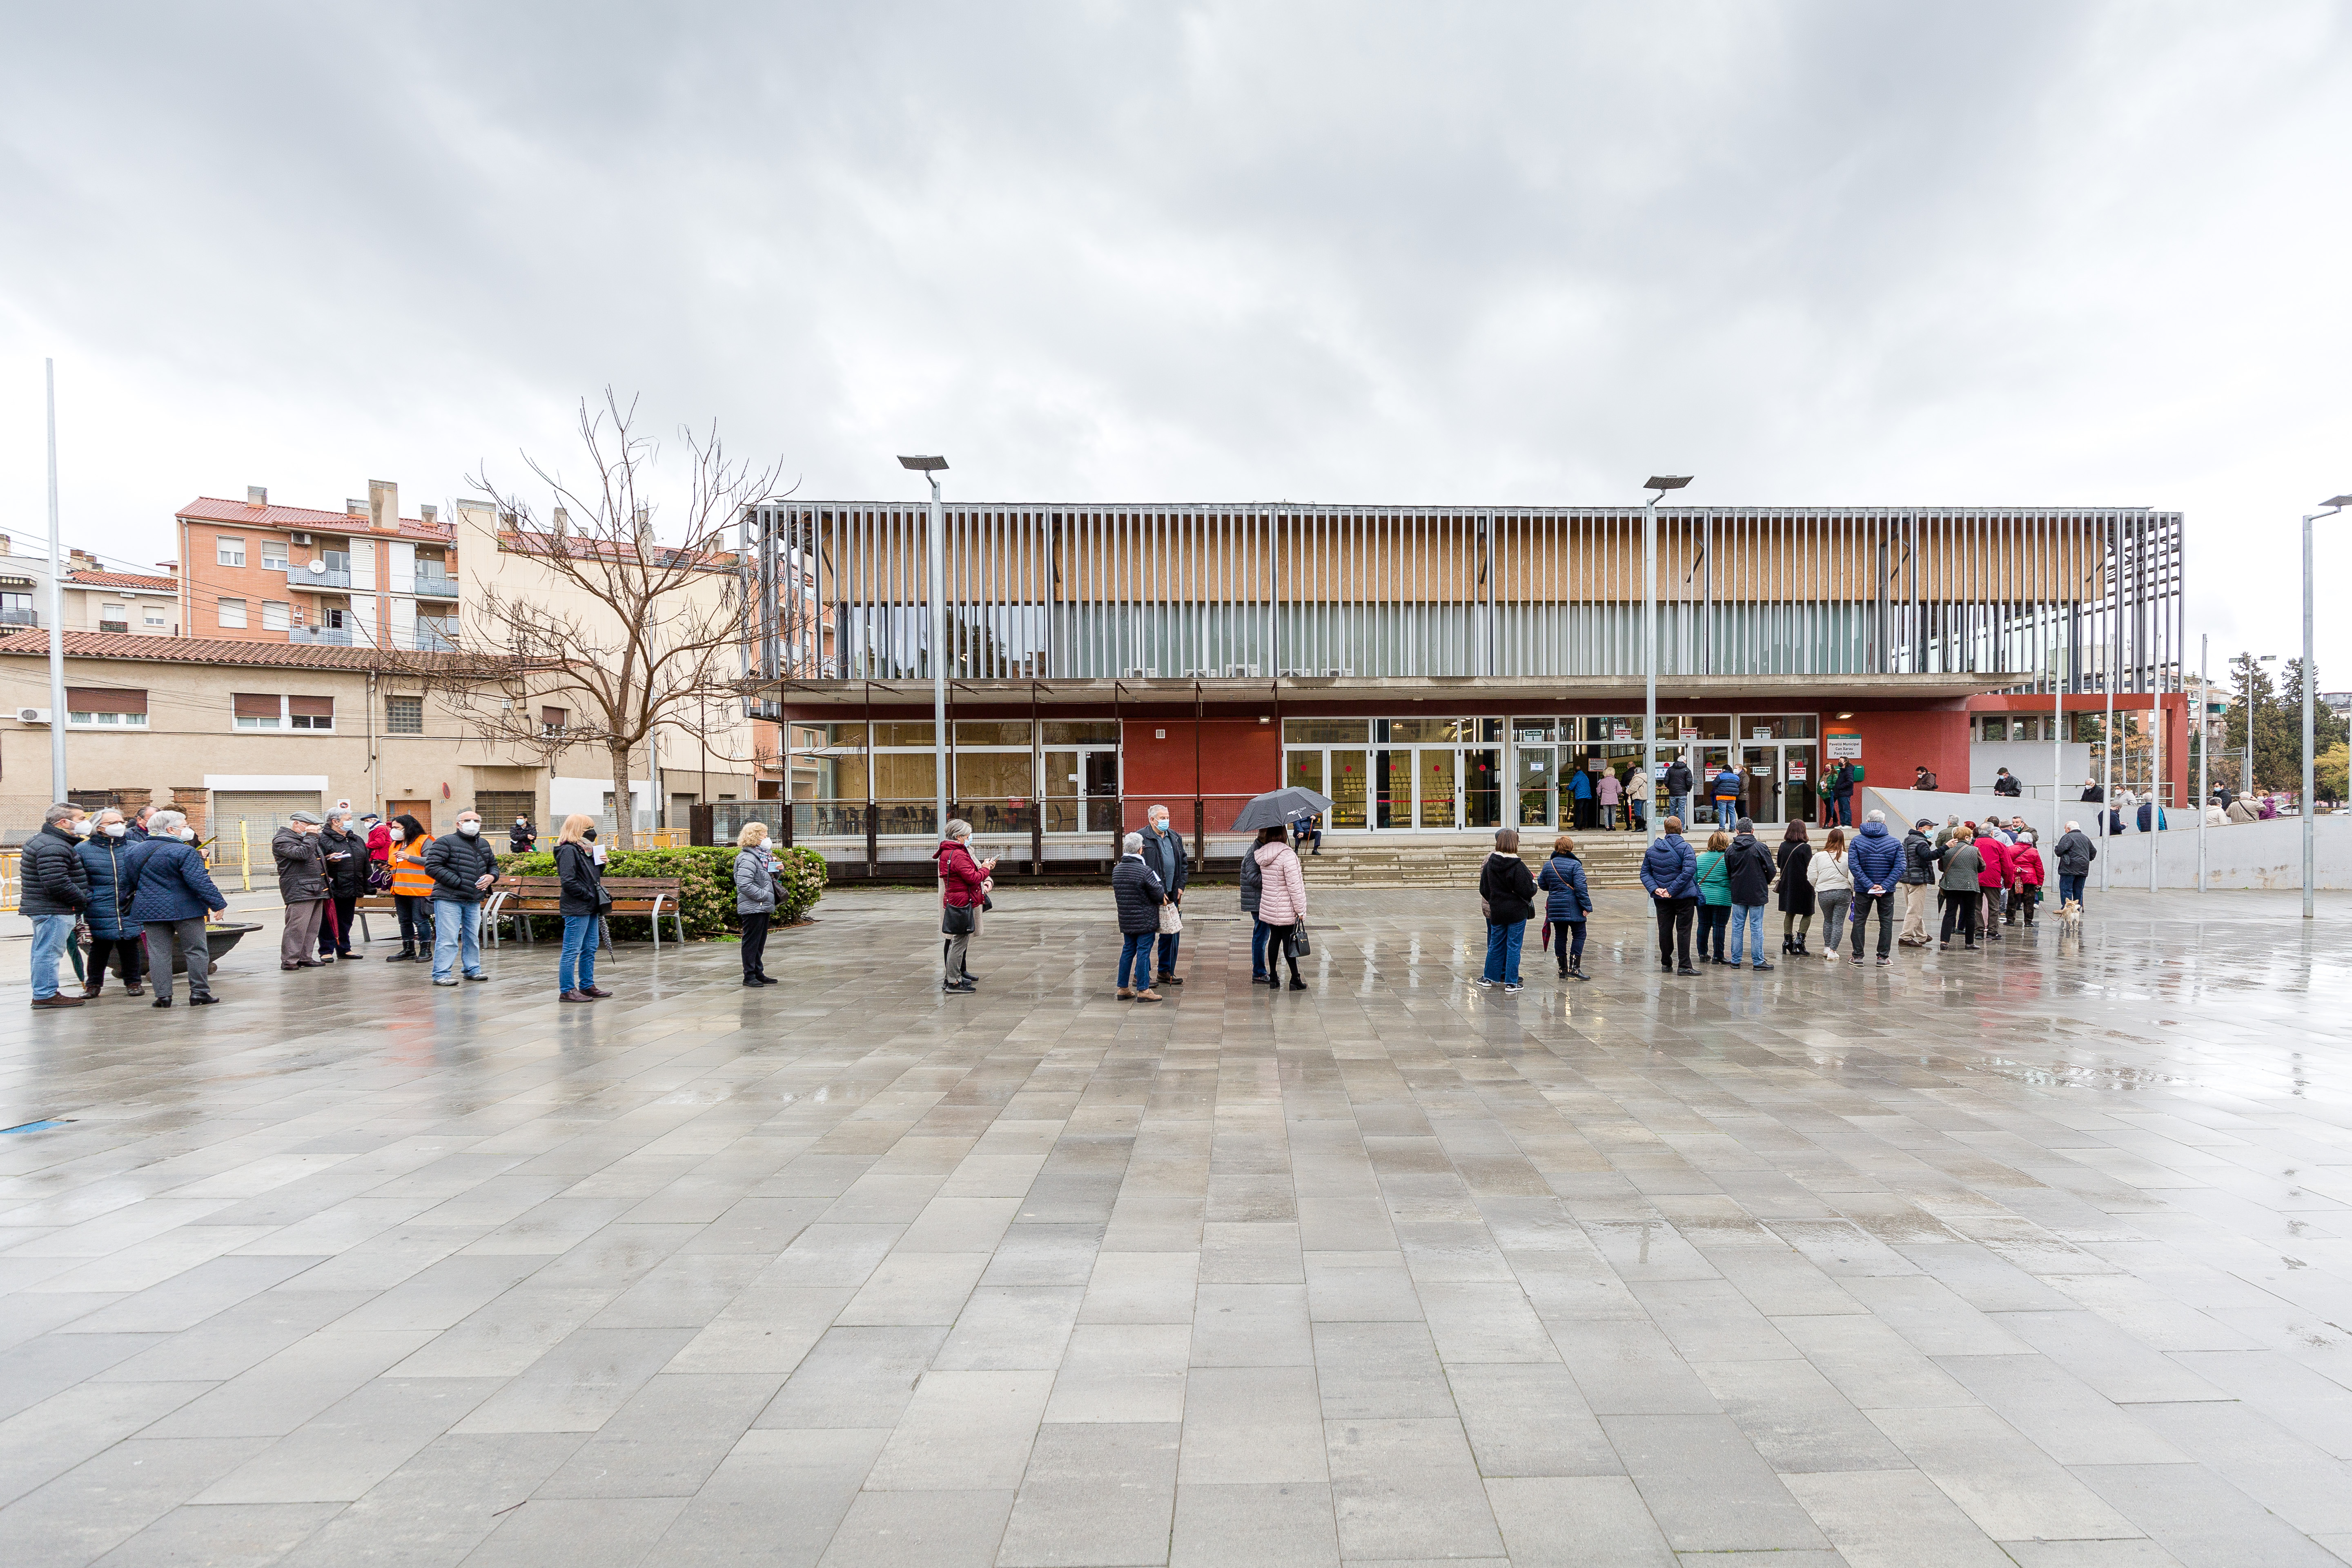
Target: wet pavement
x,y
2040,1255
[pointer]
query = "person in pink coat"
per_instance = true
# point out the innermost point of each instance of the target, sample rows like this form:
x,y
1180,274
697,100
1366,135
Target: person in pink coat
x,y
1994,879
1281,900
1608,791
2026,876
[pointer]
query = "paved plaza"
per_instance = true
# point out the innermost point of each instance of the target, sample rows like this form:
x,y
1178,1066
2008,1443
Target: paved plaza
x,y
2030,1255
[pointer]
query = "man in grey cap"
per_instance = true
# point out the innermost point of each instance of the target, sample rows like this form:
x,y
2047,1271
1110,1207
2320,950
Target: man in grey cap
x,y
302,883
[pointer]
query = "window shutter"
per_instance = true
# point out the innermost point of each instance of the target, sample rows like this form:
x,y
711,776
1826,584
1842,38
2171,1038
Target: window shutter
x,y
99,700
311,707
249,706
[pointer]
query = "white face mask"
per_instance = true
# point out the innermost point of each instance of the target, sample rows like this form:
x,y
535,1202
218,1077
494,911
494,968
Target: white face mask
x,y
398,834
114,830
469,828
187,836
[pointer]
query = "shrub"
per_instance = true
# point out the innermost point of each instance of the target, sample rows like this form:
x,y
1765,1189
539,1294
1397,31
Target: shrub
x,y
706,880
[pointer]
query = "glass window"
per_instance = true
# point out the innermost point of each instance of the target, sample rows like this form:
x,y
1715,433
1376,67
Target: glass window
x,y
902,734
1710,726
1346,790
154,615
1617,727
1490,729
404,715
273,554
1777,727
992,732
1325,732
840,734
992,775
102,721
1423,731
228,552
277,615
232,612
1082,732
313,722
906,776
1530,731
1304,770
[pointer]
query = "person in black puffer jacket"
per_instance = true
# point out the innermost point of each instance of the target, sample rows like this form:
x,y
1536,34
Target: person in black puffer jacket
x,y
582,902
464,867
1138,894
1747,869
1507,888
346,855
56,891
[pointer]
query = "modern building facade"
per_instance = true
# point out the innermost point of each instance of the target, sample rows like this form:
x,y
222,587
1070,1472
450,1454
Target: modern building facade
x,y
361,577
1445,670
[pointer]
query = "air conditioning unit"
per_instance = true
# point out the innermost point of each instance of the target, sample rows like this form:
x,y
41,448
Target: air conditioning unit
x,y
1139,672
301,539
32,715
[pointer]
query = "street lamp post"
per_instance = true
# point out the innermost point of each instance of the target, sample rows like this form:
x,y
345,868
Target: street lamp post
x,y
1657,485
2204,746
930,468
57,616
2310,684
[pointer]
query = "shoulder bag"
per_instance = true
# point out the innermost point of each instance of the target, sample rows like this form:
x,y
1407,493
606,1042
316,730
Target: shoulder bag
x,y
1170,922
955,919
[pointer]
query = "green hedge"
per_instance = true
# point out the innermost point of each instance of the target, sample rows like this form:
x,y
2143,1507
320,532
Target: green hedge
x,y
706,880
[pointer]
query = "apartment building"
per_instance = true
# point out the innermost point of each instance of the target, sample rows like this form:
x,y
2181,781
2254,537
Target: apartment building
x,y
239,734
361,577
94,597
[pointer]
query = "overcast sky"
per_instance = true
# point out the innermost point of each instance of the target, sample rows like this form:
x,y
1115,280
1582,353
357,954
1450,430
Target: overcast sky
x,y
1816,254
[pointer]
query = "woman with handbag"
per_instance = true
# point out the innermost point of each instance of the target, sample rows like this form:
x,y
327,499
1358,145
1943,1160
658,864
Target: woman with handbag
x,y
755,899
963,886
582,903
1281,903
1138,895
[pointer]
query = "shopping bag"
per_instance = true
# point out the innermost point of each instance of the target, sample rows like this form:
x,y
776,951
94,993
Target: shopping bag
x,y
1170,922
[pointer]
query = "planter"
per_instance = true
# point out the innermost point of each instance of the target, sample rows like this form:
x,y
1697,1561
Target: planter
x,y
219,940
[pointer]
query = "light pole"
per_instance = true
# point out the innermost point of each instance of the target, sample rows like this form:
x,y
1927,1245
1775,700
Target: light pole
x,y
1657,485
930,468
58,615
2204,745
2246,772
2310,684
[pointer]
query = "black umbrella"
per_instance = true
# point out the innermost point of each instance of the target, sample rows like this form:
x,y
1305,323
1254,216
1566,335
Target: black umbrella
x,y
1276,807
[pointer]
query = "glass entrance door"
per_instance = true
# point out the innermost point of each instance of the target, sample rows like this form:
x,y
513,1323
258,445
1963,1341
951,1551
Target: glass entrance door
x,y
1481,773
1535,785
1762,767
1437,776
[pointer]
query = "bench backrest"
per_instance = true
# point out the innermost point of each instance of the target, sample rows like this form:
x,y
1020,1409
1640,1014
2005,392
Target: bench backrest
x,y
619,887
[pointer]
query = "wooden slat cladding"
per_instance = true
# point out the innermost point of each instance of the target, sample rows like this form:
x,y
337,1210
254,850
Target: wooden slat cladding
x,y
1038,590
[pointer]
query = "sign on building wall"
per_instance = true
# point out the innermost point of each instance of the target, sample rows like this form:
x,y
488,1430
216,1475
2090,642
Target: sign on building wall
x,y
1842,746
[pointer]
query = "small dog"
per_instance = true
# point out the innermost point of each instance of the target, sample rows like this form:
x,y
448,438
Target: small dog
x,y
2069,918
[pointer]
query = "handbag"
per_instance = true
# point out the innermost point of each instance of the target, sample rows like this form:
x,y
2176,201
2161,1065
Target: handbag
x,y
1170,922
955,919
1295,944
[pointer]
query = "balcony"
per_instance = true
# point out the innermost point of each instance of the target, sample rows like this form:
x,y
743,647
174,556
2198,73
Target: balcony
x,y
303,577
434,585
122,626
433,637
322,636
13,617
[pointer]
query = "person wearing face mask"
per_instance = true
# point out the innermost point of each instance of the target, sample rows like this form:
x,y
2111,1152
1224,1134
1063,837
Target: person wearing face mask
x,y
406,842
172,893
56,891
379,838
523,836
106,855
579,869
1164,852
302,884
464,869
134,830
347,880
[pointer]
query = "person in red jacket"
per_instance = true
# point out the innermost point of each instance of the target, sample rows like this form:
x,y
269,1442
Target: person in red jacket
x,y
1994,879
2025,877
963,886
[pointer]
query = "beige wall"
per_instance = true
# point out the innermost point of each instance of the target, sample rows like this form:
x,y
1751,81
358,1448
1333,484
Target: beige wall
x,y
191,735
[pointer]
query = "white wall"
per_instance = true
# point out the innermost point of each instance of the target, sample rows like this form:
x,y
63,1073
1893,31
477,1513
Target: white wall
x,y
2027,761
586,797
2243,855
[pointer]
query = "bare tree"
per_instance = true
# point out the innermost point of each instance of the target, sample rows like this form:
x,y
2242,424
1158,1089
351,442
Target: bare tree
x,y
621,630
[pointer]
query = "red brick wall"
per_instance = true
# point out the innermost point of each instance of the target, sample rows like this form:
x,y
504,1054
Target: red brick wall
x,y
1894,744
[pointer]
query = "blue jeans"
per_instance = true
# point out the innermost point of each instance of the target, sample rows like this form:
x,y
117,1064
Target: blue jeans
x,y
577,971
1747,918
1168,941
1844,804
1135,958
2071,886
1503,943
51,935
457,937
1678,805
1260,960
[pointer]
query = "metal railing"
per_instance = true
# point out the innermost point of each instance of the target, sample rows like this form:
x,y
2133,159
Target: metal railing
x,y
435,585
320,637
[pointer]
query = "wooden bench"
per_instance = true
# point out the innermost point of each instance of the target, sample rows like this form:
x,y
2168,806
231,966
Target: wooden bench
x,y
385,905
652,895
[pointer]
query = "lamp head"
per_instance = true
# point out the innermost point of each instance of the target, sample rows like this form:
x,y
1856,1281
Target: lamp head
x,y
923,464
1665,481
2338,503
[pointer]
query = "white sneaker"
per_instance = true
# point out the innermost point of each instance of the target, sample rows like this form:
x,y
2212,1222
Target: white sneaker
x,y
1513,990
1484,984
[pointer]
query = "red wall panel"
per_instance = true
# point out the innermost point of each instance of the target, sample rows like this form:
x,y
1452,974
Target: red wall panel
x,y
1236,758
1895,743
